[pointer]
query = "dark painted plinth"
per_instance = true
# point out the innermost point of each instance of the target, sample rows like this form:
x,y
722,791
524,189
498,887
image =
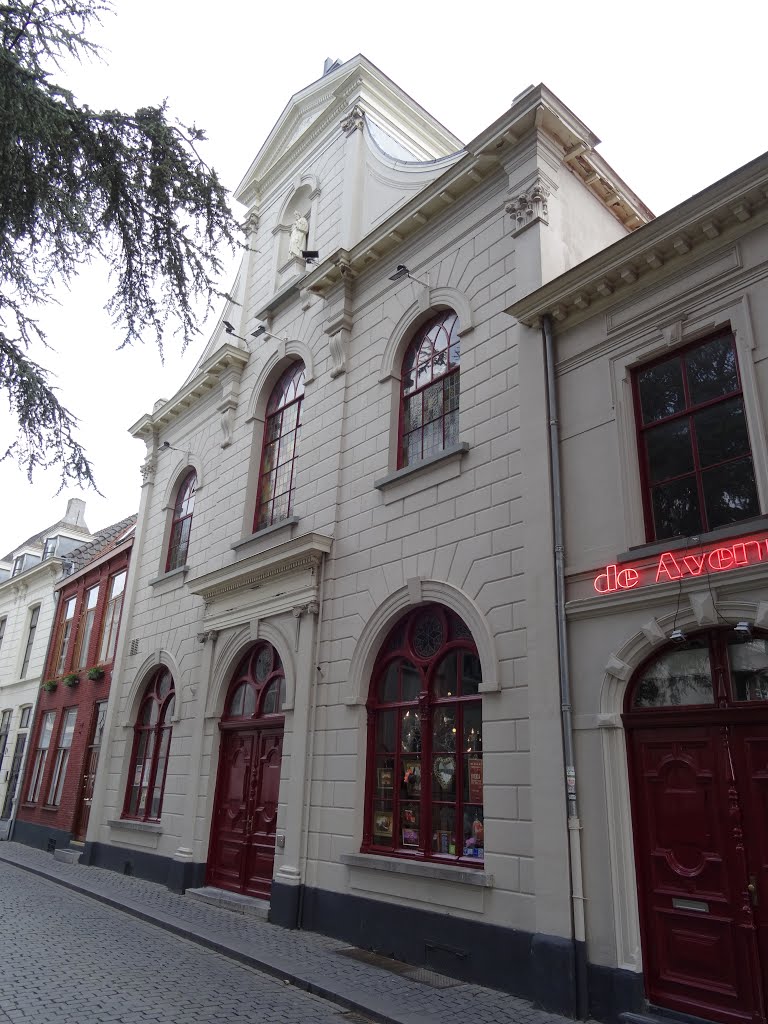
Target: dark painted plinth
x,y
613,992
40,836
176,875
284,904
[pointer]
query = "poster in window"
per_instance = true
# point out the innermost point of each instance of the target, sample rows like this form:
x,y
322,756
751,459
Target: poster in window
x,y
382,824
412,777
475,769
410,837
386,778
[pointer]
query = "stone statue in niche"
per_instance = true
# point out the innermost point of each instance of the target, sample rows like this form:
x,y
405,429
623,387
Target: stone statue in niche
x,y
299,232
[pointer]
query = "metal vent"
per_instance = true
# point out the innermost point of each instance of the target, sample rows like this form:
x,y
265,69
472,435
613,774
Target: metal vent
x,y
134,647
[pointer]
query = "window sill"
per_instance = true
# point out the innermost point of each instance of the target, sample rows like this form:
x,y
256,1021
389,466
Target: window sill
x,y
419,869
175,574
284,524
658,547
135,826
427,473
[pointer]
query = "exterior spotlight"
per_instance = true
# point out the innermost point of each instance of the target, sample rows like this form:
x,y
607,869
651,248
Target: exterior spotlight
x,y
743,630
228,327
310,255
261,329
677,636
401,272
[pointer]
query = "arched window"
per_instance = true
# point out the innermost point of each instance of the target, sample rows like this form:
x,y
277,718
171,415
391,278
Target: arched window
x,y
181,525
429,407
278,457
425,742
151,740
258,685
714,669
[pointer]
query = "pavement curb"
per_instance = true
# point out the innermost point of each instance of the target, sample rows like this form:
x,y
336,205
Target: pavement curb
x,y
334,994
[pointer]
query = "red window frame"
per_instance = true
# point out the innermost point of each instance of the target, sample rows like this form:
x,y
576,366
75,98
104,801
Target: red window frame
x,y
277,466
110,622
152,732
257,690
688,412
433,356
428,776
44,733
181,523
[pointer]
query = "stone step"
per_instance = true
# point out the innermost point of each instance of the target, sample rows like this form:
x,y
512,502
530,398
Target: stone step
x,y
68,855
233,901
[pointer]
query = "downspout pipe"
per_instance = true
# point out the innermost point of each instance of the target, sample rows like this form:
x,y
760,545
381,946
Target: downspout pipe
x,y
574,825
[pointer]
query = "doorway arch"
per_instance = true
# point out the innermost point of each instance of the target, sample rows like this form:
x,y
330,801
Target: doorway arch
x,y
696,724
242,844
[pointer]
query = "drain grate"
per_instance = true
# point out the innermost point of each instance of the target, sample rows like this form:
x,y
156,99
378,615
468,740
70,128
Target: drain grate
x,y
421,975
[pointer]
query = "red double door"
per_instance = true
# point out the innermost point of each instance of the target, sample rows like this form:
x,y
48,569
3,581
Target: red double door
x,y
242,850
700,808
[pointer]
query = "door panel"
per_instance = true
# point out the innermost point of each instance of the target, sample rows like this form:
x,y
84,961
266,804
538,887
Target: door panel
x,y
699,952
13,775
242,852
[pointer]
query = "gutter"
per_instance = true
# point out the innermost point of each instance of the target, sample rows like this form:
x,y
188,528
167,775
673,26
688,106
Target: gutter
x,y
574,825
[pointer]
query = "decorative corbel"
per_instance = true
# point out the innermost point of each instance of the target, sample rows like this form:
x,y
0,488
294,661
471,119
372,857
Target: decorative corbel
x,y
339,328
230,390
354,120
529,207
149,466
298,611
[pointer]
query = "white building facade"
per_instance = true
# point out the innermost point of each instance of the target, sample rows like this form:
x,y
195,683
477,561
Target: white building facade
x,y
660,346
27,604
336,684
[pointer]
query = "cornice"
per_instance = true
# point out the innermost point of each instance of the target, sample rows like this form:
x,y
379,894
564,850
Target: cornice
x,y
295,555
51,566
537,112
114,554
720,214
227,357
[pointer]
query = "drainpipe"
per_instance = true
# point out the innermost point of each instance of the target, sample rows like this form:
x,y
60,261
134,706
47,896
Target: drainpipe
x,y
307,794
574,825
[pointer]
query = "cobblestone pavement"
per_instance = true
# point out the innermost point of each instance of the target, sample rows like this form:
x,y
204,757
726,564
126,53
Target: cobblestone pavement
x,y
61,954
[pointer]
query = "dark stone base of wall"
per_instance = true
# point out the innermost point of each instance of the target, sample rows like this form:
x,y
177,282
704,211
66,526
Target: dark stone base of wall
x,y
42,837
543,968
176,875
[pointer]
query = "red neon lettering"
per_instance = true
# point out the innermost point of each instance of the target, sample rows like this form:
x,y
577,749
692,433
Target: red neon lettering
x,y
694,564
669,566
721,558
740,552
614,579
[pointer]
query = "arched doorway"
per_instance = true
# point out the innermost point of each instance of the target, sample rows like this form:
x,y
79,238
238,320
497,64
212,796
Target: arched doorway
x,y
696,717
242,848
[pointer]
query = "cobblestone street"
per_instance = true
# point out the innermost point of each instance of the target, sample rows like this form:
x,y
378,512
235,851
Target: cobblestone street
x,y
64,957
145,955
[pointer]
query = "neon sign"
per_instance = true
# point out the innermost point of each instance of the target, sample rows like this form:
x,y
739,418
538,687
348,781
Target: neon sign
x,y
682,564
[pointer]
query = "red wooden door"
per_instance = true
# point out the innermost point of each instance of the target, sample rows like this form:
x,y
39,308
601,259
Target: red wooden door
x,y
242,851
700,945
90,764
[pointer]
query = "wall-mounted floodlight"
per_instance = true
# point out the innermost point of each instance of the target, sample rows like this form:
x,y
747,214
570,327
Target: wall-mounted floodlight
x,y
167,447
677,636
743,630
403,271
231,330
310,255
262,332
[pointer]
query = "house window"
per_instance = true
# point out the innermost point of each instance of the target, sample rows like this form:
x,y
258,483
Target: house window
x,y
62,758
278,457
50,547
3,622
25,713
429,407
65,631
18,565
85,627
425,742
33,617
182,523
111,622
695,454
5,727
41,754
151,740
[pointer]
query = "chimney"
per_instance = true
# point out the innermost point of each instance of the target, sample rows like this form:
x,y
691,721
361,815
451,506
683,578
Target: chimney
x,y
75,514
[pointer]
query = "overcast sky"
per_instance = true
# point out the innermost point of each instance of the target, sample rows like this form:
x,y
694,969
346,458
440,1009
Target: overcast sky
x,y
675,89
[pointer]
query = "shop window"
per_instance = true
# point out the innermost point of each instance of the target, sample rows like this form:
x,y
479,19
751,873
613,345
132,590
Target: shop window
x,y
429,405
181,524
34,615
695,454
151,741
111,623
62,758
425,742
85,627
277,471
41,756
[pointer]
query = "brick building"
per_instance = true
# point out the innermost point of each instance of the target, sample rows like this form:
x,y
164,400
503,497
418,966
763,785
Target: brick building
x,y
28,574
56,789
342,578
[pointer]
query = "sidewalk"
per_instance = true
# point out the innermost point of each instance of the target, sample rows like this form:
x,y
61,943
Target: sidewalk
x,y
310,961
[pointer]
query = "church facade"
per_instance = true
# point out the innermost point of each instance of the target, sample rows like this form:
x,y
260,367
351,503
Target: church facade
x,y
336,682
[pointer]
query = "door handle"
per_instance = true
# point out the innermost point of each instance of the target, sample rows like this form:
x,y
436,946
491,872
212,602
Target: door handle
x,y
752,890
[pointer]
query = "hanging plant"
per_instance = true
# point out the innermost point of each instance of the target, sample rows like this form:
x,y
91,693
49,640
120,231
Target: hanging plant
x,y
96,673
72,679
50,685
